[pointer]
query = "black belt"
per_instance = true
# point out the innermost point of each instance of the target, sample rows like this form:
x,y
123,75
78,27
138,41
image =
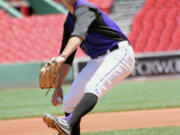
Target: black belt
x,y
112,49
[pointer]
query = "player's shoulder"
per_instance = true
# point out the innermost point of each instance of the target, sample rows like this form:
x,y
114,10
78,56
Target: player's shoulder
x,y
85,8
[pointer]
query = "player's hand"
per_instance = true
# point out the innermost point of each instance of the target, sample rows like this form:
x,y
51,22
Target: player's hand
x,y
58,93
58,59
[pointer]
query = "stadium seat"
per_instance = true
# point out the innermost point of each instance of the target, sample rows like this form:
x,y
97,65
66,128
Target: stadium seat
x,y
35,38
4,15
155,28
158,27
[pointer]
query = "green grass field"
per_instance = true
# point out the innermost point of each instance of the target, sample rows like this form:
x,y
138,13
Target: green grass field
x,y
21,103
151,131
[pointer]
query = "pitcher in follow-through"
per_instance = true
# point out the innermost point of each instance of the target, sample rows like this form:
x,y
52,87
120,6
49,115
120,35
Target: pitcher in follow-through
x,y
112,60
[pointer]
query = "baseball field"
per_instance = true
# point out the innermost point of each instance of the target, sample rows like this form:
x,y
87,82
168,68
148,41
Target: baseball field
x,y
131,108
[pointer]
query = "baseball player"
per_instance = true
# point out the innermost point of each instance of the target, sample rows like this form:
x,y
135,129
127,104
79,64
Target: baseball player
x,y
112,60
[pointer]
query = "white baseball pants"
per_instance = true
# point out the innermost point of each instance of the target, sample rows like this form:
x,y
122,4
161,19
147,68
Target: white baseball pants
x,y
100,75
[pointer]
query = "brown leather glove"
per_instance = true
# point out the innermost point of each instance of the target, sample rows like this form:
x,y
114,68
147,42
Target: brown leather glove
x,y
49,75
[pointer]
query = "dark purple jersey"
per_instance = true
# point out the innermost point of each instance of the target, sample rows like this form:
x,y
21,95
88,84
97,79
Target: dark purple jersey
x,y
99,32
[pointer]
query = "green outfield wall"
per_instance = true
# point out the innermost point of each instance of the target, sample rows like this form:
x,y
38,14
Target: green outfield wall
x,y
47,7
22,75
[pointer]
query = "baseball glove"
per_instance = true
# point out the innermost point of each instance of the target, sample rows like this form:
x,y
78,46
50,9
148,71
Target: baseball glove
x,y
49,75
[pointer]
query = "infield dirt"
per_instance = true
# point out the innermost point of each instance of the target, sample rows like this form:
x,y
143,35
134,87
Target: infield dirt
x,y
98,122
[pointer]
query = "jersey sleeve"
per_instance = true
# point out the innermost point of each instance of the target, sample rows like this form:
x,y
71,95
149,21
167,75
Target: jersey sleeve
x,y
66,37
84,16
